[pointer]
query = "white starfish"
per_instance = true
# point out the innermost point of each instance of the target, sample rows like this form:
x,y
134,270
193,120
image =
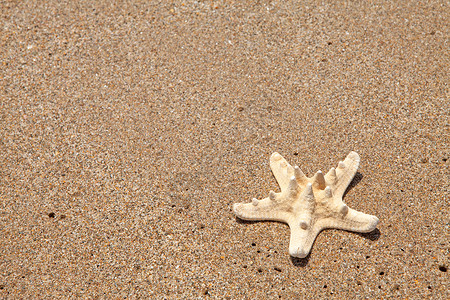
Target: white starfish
x,y
309,205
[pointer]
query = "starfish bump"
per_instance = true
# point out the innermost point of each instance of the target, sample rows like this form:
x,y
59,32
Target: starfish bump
x,y
309,205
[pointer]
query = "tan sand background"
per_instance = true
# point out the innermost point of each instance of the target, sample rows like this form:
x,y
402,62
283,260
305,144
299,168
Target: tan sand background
x,y
128,130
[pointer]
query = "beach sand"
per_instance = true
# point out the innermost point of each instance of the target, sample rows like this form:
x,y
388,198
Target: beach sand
x,y
129,129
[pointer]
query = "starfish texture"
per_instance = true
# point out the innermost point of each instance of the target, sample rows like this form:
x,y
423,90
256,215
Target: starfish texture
x,y
309,205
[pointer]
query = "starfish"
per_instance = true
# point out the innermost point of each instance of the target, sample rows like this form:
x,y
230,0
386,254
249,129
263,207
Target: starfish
x,y
308,205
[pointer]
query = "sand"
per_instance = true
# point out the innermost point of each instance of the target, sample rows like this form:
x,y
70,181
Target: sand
x,y
128,130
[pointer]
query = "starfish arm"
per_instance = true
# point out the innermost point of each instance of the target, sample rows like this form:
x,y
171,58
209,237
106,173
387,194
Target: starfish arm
x,y
345,172
261,210
281,169
302,240
352,221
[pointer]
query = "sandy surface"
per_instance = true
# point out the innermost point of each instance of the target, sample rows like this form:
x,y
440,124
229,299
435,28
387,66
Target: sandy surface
x,y
128,130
